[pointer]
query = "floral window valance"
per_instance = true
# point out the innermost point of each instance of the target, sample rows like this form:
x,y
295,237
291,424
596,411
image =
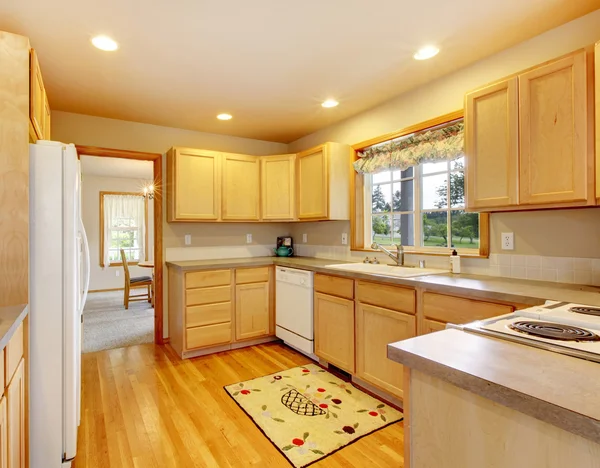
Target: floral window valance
x,y
438,144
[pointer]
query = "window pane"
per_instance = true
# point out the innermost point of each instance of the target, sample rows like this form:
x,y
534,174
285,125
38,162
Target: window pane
x,y
382,177
381,229
397,175
382,198
430,168
457,189
458,164
465,230
435,193
402,196
435,229
404,229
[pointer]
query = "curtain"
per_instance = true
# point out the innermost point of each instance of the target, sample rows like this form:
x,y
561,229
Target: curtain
x,y
127,213
434,145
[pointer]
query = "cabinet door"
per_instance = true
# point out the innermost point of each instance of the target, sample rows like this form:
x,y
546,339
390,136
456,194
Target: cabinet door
x,y
3,433
313,184
241,187
597,106
252,311
195,184
377,327
430,326
15,400
491,145
278,187
334,330
47,117
553,132
37,96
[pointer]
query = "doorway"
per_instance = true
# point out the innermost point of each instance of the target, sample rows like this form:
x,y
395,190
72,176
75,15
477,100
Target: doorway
x,y
117,182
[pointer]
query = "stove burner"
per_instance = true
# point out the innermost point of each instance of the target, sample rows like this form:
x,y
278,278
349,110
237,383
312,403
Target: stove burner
x,y
586,310
554,331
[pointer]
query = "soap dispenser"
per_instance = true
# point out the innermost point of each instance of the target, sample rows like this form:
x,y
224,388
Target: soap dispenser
x,y
455,262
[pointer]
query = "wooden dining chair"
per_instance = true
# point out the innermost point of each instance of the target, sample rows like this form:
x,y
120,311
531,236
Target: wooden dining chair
x,y
135,283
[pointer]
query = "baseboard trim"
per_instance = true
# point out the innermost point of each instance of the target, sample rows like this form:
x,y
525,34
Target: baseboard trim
x,y
105,290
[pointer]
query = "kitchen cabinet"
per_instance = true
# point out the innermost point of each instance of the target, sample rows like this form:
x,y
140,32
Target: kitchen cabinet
x,y
597,119
377,327
431,326
241,187
334,330
15,402
251,310
278,187
527,141
492,145
3,433
323,182
39,109
194,185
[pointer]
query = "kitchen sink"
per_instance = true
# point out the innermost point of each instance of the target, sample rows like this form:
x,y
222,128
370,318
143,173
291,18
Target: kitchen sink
x,y
387,270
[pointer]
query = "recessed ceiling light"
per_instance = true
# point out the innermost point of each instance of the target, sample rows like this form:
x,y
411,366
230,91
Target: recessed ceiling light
x,y
426,52
105,43
330,103
224,116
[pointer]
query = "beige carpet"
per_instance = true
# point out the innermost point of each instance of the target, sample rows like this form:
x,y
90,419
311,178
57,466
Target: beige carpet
x,y
107,325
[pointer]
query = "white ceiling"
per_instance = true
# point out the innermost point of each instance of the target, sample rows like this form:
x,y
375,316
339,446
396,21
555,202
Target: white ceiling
x,y
116,167
268,62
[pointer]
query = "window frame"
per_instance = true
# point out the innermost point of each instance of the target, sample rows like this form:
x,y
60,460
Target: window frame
x,y
103,228
360,200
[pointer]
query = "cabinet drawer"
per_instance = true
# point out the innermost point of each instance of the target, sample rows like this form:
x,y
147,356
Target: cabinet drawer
x,y
207,295
210,314
431,326
13,354
341,287
389,297
211,335
460,310
206,279
252,275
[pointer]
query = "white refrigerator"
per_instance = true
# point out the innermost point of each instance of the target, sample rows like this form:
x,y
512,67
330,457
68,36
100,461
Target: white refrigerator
x,y
58,285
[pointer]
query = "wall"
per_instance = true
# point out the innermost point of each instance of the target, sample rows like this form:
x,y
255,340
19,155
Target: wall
x,y
561,233
106,278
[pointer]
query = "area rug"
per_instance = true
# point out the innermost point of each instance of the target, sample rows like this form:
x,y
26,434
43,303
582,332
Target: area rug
x,y
308,413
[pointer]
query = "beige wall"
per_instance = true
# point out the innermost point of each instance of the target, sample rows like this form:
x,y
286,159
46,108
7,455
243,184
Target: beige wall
x,y
553,233
106,278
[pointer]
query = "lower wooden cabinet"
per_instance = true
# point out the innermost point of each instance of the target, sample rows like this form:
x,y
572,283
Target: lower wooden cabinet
x,y
334,330
377,327
251,310
3,433
15,402
430,326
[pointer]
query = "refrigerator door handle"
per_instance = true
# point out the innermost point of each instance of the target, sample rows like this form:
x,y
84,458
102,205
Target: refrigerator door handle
x,y
86,248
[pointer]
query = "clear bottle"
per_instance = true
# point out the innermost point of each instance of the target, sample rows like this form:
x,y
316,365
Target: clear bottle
x,y
455,262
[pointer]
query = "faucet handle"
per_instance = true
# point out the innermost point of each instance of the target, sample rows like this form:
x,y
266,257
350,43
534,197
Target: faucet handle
x,y
366,260
375,261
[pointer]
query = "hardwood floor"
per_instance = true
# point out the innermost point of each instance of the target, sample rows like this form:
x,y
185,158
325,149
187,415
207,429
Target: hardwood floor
x,y
144,407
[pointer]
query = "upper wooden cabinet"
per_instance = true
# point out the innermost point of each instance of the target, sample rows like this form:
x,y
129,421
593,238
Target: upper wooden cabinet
x,y
241,187
278,187
323,183
39,109
492,145
527,139
194,185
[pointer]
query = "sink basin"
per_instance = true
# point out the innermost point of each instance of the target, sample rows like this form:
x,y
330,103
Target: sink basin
x,y
387,270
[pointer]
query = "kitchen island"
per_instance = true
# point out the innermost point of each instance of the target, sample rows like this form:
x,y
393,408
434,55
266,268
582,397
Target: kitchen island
x,y
472,402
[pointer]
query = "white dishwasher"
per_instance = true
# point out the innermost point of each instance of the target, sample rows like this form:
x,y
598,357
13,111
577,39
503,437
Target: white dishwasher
x,y
294,308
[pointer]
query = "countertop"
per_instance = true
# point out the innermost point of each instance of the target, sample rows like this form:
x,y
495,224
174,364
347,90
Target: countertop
x,y
481,287
10,319
560,390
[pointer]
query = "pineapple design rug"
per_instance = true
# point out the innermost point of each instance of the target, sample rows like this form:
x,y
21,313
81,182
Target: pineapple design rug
x,y
308,413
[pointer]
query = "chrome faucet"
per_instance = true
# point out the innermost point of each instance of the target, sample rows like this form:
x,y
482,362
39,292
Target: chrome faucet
x,y
398,257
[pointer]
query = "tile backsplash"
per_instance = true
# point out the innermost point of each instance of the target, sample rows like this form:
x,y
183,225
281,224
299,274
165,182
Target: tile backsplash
x,y
584,271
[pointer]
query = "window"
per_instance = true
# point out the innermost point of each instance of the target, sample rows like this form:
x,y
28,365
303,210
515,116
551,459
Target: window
x,y
124,218
421,208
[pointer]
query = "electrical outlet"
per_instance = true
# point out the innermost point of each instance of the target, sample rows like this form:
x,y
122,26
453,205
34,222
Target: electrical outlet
x,y
305,238
248,238
188,239
344,238
508,241
118,272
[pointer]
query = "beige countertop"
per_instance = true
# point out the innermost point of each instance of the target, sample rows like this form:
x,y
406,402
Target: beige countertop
x,y
482,287
560,390
10,319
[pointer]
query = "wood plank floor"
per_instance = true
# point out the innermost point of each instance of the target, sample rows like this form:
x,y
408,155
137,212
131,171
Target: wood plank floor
x,y
144,407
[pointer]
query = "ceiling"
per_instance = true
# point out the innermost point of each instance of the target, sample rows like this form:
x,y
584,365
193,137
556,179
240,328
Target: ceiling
x,y
117,167
270,63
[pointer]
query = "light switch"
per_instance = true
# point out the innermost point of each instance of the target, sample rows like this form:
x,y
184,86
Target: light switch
x,y
305,238
188,239
118,272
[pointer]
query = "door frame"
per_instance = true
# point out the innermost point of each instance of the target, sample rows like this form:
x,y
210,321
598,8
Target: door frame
x,y
156,158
